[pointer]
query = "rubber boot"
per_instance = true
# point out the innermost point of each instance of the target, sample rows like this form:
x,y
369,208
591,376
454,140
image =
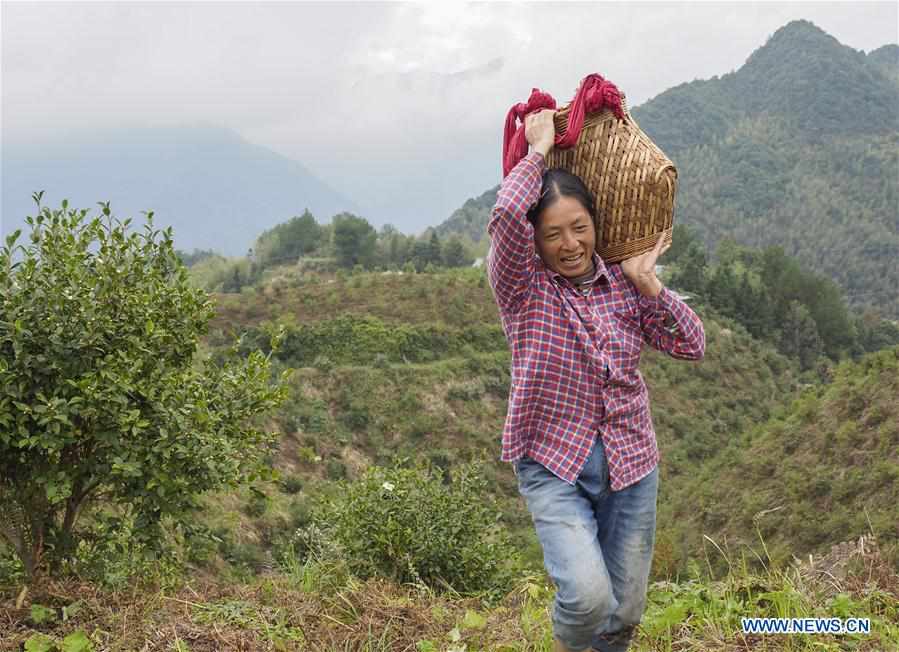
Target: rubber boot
x,y
617,642
558,646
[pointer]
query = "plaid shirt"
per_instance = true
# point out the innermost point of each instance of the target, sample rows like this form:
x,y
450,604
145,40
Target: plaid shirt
x,y
575,350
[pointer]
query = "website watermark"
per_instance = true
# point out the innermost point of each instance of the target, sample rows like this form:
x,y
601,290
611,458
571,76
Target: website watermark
x,y
806,625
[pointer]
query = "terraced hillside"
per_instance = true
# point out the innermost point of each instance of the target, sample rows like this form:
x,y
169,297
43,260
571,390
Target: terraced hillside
x,y
823,467
415,366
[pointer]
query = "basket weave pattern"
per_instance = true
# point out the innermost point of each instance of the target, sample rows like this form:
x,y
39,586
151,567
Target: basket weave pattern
x,y
632,180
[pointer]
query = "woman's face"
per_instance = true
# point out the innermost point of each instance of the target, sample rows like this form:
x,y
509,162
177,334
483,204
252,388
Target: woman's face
x,y
565,237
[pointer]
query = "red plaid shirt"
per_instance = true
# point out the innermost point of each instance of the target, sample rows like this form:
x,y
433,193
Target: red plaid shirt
x,y
575,353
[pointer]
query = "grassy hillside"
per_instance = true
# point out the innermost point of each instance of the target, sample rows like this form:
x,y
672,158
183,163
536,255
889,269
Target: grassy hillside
x,y
416,366
391,369
825,467
455,297
317,609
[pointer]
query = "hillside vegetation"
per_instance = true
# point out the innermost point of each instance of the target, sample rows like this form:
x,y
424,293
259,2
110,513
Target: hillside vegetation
x,y
258,570
400,381
415,366
319,609
799,148
823,467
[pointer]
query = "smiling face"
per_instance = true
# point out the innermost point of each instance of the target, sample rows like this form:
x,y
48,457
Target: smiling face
x,y
565,237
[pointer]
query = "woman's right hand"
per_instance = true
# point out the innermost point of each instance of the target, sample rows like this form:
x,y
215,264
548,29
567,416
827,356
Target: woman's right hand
x,y
540,131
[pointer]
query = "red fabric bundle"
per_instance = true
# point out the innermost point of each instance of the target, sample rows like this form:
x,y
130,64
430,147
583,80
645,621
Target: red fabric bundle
x,y
593,94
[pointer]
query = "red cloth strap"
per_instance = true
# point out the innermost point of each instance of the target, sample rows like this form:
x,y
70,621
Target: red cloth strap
x,y
515,145
593,94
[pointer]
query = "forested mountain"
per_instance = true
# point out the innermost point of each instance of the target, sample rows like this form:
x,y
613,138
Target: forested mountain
x,y
887,58
802,78
469,221
797,148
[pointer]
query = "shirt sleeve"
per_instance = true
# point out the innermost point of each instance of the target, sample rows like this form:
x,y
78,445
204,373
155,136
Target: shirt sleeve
x,y
510,262
671,326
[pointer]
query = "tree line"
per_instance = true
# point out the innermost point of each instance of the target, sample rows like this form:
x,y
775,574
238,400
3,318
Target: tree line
x,y
347,242
778,299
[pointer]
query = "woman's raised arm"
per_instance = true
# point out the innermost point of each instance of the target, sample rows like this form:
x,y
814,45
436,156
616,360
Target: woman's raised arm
x,y
510,263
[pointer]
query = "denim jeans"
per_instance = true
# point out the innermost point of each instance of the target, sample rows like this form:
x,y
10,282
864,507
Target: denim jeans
x,y
597,548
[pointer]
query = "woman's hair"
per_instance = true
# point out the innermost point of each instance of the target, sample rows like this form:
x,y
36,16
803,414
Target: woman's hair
x,y
560,183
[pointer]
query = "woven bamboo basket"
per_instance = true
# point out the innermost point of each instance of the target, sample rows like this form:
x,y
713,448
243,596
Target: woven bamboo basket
x,y
632,180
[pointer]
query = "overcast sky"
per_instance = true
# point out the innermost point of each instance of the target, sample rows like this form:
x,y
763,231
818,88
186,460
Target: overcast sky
x,y
399,106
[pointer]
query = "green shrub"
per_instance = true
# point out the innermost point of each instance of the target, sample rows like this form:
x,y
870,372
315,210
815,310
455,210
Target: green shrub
x,y
300,512
412,526
11,570
258,503
307,454
335,469
368,340
354,411
110,553
292,484
200,544
102,396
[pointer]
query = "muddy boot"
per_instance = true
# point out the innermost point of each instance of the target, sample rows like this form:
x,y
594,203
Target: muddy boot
x,y
614,641
558,646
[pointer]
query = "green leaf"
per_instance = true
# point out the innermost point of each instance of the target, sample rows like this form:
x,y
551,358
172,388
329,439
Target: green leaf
x,y
77,642
12,237
426,646
71,610
57,491
41,614
39,643
473,620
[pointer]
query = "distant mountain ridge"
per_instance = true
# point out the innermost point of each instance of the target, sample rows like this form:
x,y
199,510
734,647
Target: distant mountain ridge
x,y
802,75
217,190
887,58
468,221
799,148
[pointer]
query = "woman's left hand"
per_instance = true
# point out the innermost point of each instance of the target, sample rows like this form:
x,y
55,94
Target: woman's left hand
x,y
641,270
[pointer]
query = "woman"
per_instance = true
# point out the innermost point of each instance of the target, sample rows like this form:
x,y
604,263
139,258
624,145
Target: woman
x,y
578,428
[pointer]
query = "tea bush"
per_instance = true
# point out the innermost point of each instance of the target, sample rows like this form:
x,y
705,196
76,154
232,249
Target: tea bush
x,y
415,525
353,340
103,399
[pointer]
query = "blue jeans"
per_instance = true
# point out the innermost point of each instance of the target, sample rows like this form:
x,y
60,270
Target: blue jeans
x,y
597,548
